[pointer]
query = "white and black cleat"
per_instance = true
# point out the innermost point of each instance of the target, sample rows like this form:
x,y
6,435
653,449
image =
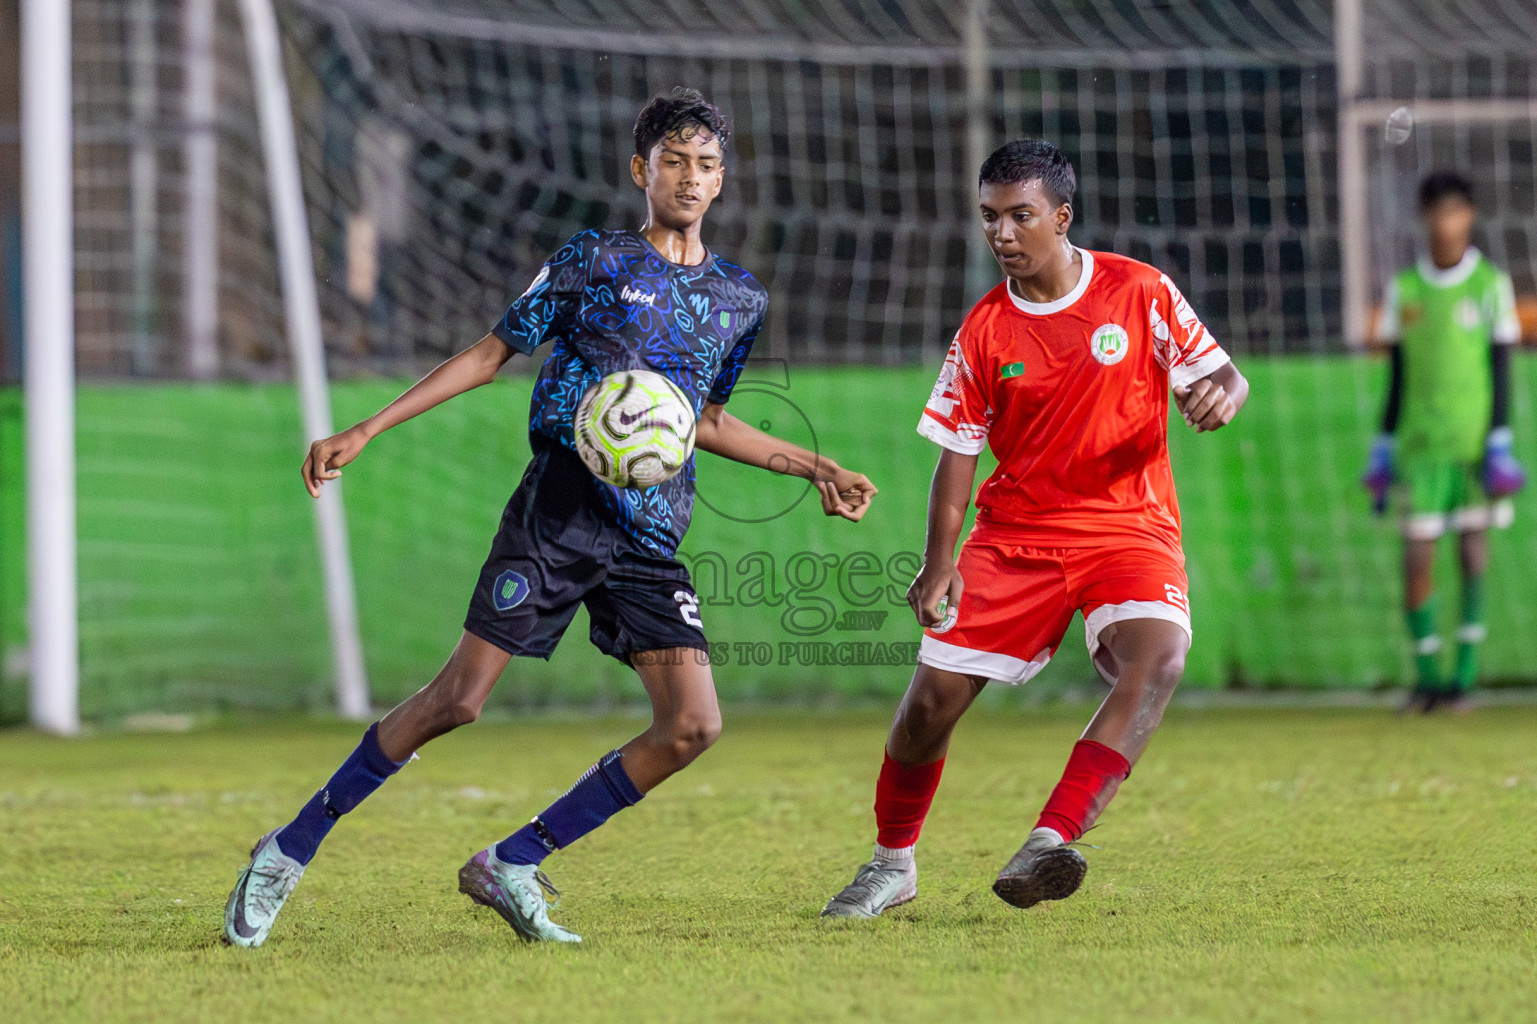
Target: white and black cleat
x,y
877,887
1045,868
264,886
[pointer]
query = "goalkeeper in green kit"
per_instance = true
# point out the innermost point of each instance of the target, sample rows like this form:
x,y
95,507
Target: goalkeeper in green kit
x,y
1445,448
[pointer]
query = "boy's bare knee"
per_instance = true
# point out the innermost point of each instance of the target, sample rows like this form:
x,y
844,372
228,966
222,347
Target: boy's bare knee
x,y
1156,676
932,705
933,710
696,734
690,734
1169,669
462,712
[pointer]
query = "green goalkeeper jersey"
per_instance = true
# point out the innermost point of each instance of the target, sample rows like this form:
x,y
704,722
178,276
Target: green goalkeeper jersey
x,y
1445,321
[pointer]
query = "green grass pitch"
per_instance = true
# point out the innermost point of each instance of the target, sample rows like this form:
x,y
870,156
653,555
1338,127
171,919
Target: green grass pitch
x,y
1299,865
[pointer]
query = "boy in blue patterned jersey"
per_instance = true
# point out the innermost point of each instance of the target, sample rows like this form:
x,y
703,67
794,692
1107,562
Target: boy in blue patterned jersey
x,y
608,301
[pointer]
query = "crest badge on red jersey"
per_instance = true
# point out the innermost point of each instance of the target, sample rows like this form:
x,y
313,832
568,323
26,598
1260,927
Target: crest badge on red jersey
x,y
1109,344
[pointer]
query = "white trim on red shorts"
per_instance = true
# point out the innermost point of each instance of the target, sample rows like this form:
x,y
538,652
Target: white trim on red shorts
x,y
967,662
1095,622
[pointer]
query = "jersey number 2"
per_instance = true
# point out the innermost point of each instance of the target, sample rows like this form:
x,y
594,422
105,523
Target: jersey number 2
x,y
688,607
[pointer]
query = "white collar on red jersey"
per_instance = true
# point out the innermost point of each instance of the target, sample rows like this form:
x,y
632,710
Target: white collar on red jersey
x,y
1057,305
1451,276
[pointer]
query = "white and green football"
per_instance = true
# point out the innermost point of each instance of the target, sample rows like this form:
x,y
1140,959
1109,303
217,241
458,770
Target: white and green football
x,y
634,429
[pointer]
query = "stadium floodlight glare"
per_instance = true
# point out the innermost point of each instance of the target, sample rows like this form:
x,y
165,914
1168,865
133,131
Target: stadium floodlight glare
x,y
48,228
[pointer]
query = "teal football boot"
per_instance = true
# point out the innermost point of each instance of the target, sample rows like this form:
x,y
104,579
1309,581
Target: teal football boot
x,y
515,891
264,886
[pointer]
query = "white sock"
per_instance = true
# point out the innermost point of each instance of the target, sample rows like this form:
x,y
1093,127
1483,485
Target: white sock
x,y
1044,833
894,855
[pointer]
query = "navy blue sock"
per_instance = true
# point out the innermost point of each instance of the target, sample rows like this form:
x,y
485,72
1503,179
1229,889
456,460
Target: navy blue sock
x,y
598,795
364,771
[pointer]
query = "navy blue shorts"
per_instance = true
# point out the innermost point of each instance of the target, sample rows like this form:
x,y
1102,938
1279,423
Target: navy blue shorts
x,y
557,547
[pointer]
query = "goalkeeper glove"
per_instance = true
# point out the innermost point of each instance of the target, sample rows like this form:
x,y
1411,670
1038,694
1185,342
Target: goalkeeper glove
x,y
1379,472
1503,475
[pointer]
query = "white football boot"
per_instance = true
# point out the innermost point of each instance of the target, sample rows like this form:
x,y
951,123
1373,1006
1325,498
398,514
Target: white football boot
x,y
1045,868
264,886
877,887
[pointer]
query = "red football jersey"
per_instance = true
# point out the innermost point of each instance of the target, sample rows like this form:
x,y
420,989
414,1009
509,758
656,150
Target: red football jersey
x,y
1073,398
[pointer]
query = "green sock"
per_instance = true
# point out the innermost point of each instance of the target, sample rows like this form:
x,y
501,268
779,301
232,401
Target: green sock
x,y
1427,646
1471,633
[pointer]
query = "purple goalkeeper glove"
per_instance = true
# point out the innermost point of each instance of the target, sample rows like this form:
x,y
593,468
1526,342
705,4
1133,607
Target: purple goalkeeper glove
x,y
1379,472
1503,475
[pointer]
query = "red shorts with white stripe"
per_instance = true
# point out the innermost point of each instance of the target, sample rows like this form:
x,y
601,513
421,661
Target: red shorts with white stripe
x,y
1019,599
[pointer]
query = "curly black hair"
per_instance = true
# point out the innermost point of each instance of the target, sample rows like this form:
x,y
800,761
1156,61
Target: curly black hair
x,y
1440,184
1031,160
680,115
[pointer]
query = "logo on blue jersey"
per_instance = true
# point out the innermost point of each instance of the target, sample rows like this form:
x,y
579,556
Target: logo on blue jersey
x,y
543,276
511,590
609,304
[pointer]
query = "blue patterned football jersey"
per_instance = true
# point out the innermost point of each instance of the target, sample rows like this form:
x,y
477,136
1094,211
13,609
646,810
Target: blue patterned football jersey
x,y
609,302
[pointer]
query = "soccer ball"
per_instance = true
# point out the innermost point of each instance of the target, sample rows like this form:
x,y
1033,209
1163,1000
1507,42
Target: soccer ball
x,y
634,429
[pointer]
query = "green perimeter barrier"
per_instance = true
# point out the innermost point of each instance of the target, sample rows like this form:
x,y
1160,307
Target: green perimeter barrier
x,y
199,587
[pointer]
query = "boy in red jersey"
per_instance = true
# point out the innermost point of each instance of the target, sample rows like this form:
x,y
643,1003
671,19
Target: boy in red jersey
x,y
1065,371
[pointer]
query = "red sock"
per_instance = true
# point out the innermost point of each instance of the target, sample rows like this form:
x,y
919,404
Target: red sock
x,y
903,794
1093,773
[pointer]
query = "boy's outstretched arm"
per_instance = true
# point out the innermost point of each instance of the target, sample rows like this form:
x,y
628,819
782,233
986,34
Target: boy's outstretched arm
x,y
462,372
949,496
843,492
1211,402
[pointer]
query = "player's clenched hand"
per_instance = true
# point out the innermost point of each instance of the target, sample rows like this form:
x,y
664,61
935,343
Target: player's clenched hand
x,y
1206,405
846,494
327,457
934,581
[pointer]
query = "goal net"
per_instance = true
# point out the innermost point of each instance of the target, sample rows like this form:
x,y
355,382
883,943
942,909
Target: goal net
x,y
1459,82
448,147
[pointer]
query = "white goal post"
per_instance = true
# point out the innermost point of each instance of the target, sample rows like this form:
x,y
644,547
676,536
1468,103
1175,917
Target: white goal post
x,y
301,315
49,376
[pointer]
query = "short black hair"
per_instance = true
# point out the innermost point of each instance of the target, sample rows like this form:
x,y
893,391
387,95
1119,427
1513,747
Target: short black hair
x,y
681,114
1031,160
1437,185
